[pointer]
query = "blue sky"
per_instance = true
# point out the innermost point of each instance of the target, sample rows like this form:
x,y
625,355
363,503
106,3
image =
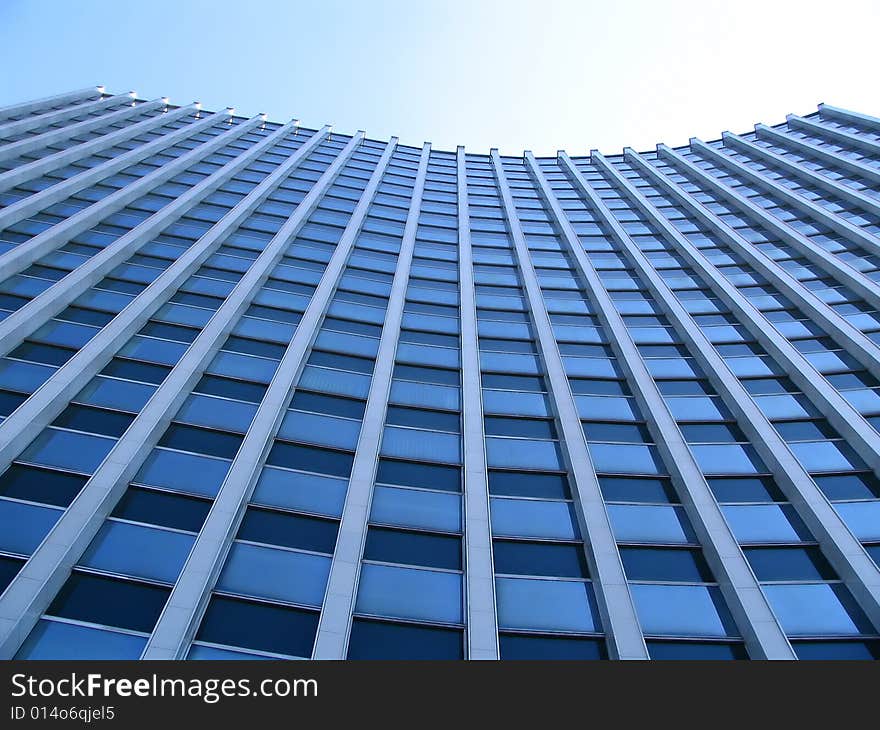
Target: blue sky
x,y
514,74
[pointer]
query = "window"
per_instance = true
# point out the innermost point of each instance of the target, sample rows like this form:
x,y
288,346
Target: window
x,y
837,649
665,565
526,427
327,404
546,605
9,568
308,458
385,640
201,440
526,646
625,489
289,530
138,551
695,650
410,593
414,474
94,420
126,604
56,640
738,489
40,485
140,371
270,573
259,626
229,388
413,548
537,558
618,432
419,418
68,450
162,508
789,563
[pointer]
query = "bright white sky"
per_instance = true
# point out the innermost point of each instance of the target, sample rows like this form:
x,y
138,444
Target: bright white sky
x,y
513,74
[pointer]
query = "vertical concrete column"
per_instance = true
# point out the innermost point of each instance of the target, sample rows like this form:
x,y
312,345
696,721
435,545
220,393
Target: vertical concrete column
x,y
616,607
334,627
482,617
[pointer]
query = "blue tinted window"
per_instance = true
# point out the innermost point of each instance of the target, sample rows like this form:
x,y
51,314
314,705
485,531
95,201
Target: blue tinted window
x,y
289,530
665,565
125,604
162,508
794,563
9,568
201,440
528,484
695,650
537,558
414,474
40,485
384,640
413,548
837,649
527,646
56,640
307,458
259,626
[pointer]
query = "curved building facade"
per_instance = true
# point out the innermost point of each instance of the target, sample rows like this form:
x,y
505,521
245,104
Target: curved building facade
x,y
276,392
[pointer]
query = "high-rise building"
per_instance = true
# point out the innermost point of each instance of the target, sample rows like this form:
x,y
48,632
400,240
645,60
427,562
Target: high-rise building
x,y
270,391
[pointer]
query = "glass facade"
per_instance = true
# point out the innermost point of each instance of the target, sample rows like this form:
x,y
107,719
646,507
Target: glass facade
x,y
269,392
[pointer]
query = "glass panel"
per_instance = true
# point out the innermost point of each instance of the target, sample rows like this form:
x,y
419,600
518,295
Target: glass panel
x,y
416,508
648,523
625,458
24,525
410,593
320,429
681,610
522,453
384,640
315,493
408,443
533,518
57,640
184,472
259,626
143,552
527,603
763,523
76,451
812,609
863,518
284,575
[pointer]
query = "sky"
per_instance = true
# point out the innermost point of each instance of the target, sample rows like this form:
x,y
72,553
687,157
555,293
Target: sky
x,y
540,75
